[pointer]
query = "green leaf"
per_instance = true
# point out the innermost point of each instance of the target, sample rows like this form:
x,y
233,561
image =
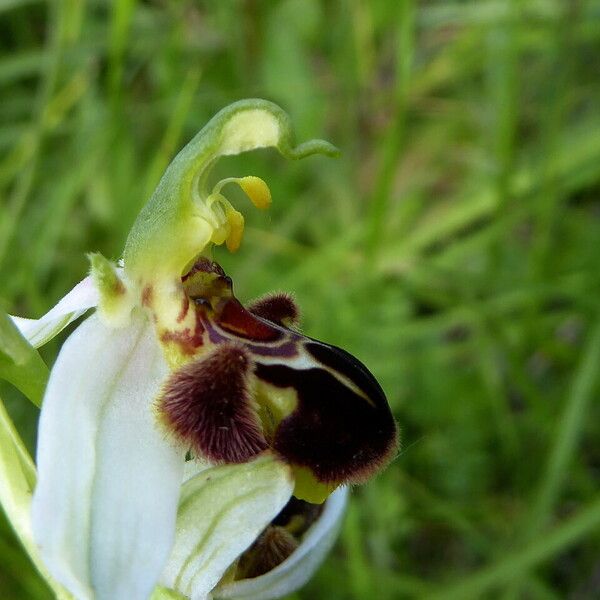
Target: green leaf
x,y
17,480
20,363
12,344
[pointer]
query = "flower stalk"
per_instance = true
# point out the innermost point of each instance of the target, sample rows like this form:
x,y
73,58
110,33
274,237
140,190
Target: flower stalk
x,y
17,482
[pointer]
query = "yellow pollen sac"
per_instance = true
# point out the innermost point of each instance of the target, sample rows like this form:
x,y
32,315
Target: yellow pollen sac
x,y
257,190
235,221
232,230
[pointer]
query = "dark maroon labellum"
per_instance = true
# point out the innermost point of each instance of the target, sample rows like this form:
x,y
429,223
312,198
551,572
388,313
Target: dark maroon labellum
x,y
341,427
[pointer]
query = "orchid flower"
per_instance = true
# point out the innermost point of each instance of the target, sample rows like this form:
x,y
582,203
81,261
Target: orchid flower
x,y
190,446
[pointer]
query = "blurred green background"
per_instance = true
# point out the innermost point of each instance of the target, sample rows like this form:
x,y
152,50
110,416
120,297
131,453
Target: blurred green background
x,y
454,247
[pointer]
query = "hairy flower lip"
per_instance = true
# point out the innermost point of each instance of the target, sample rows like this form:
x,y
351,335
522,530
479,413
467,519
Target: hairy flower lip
x,y
313,383
207,404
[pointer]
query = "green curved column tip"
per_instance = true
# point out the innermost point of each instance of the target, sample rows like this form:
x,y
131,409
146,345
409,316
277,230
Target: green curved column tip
x,y
172,228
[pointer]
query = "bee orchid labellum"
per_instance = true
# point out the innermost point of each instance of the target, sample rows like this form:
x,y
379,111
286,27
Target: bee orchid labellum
x,y
190,446
260,384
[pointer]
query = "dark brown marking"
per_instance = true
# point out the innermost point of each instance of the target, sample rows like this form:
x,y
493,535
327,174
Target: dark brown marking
x,y
185,305
147,296
207,405
333,431
288,347
187,341
278,308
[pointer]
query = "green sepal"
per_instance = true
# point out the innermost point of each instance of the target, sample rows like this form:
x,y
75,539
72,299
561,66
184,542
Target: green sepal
x,y
20,363
105,276
115,303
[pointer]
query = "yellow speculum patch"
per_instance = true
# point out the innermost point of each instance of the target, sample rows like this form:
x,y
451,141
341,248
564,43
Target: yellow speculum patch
x,y
274,404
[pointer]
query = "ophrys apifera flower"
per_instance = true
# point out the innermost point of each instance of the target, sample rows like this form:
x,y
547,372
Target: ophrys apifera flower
x,y
178,424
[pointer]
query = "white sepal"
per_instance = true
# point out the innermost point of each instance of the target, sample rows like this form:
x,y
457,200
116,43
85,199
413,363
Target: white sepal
x,y
221,512
39,331
106,500
296,570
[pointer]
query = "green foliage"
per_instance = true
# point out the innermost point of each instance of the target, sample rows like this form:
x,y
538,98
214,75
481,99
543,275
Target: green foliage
x,y
20,363
453,247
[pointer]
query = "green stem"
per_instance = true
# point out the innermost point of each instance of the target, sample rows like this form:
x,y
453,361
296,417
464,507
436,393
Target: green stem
x,y
17,480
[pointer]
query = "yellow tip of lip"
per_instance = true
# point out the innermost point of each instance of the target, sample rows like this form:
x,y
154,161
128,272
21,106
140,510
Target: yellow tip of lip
x,y
257,190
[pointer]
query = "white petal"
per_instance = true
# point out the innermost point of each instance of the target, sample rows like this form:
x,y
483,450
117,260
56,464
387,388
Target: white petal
x,y
39,331
221,512
105,505
294,572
